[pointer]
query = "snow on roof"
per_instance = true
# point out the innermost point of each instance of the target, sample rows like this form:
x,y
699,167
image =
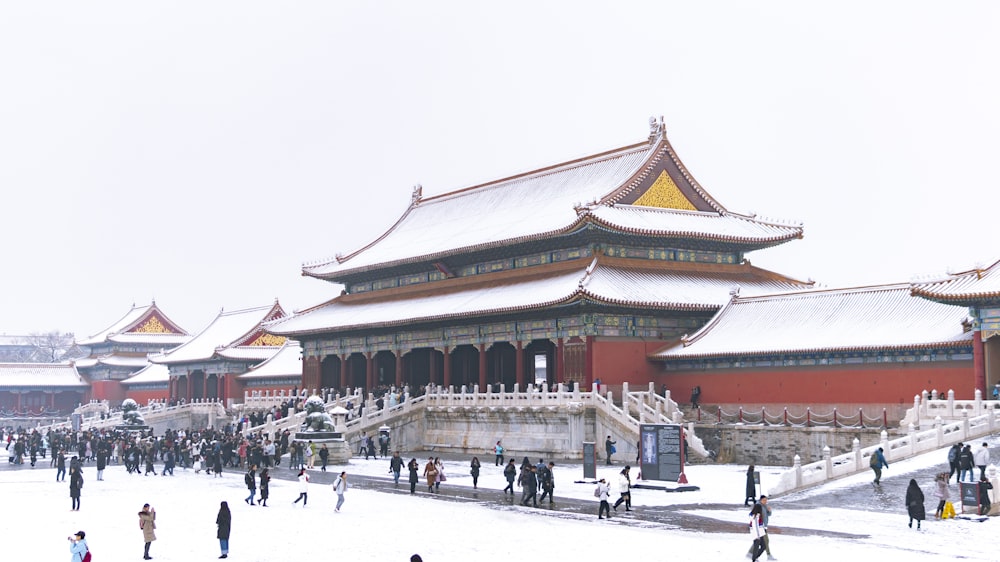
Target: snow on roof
x,y
287,362
151,374
523,206
604,280
878,317
227,329
118,361
694,224
976,284
550,201
40,375
119,329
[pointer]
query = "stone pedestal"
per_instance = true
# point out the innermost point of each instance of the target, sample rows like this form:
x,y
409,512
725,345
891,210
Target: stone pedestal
x,y
340,451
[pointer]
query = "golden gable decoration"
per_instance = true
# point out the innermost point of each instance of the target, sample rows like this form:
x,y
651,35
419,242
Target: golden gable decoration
x,y
269,340
152,326
665,194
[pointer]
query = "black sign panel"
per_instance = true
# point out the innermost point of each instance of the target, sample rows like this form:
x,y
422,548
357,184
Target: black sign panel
x,y
970,493
589,460
662,451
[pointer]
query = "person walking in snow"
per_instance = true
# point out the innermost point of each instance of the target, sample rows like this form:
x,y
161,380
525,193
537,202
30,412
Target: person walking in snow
x,y
750,497
474,471
430,472
625,489
395,467
876,463
75,485
765,514
602,492
224,521
265,487
303,487
339,488
941,492
510,473
915,503
414,467
250,479
147,523
756,533
965,463
981,458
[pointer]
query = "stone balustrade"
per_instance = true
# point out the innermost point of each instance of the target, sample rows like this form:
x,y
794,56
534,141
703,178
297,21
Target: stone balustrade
x,y
914,442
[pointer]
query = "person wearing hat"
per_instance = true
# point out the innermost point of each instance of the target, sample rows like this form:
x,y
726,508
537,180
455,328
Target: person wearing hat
x,y
147,522
78,546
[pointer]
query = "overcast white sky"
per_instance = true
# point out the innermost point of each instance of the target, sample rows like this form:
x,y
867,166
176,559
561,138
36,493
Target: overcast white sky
x,y
198,152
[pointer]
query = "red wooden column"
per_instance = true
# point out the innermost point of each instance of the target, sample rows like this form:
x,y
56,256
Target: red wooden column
x,y
369,372
447,367
187,396
519,366
979,362
482,367
399,368
220,387
560,362
343,371
588,363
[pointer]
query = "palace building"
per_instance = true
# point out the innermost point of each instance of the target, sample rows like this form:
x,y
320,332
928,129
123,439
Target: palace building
x,y
570,273
208,366
123,349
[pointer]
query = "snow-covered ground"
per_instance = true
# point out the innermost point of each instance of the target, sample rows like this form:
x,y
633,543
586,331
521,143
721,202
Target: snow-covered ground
x,y
387,526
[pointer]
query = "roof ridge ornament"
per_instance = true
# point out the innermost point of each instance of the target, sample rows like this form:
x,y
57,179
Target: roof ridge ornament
x,y
418,193
657,129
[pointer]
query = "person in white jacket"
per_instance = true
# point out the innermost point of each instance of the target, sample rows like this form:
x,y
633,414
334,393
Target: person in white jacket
x,y
339,487
981,459
756,532
603,490
303,487
625,489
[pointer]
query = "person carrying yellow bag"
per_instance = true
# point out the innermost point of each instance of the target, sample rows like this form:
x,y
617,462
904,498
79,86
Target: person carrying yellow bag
x,y
949,511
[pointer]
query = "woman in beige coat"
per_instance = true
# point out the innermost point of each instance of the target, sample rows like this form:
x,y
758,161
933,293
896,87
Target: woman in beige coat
x,y
147,522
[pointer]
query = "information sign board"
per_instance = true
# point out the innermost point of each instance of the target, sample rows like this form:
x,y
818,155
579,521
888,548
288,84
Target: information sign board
x,y
661,451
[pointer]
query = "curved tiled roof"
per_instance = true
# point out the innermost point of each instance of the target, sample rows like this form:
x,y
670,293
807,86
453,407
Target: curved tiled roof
x,y
118,331
287,362
605,280
723,227
225,330
152,374
545,203
966,287
853,319
34,375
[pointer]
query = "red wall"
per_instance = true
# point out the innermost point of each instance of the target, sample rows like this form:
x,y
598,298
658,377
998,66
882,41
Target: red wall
x,y
112,391
142,397
895,383
624,360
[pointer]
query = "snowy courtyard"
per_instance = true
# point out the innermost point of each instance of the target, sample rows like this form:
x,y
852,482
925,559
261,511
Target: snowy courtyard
x,y
392,525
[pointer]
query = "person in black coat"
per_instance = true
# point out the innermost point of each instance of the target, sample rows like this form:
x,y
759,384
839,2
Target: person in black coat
x,y
413,466
915,503
750,497
984,496
75,484
265,487
224,520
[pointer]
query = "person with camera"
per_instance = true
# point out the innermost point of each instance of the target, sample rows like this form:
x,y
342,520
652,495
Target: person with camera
x,y
147,523
78,547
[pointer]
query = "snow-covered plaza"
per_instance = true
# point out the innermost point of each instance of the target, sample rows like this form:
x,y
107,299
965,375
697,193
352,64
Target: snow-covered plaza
x,y
393,525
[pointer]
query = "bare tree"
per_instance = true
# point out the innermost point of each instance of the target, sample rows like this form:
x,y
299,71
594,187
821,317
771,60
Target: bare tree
x,y
48,347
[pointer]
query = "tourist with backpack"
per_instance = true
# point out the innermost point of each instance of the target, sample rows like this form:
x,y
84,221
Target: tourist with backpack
x,y
78,547
602,492
339,488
